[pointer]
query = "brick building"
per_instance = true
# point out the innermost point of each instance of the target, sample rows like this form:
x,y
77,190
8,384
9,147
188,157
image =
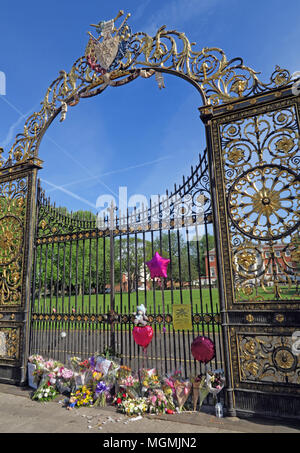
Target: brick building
x,y
276,262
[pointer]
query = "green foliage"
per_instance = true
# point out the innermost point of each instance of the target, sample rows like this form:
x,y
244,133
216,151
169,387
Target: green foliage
x,y
83,266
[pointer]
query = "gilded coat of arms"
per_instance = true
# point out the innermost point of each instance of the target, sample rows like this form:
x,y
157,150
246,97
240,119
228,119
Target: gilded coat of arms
x,y
104,53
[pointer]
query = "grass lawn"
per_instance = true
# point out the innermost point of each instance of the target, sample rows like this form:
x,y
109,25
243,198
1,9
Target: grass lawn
x,y
126,303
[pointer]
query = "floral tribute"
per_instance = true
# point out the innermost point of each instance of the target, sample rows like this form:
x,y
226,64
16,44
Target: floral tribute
x,y
45,392
101,380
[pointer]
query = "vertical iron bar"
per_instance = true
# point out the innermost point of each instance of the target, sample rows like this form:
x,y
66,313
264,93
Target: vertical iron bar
x,y
181,300
112,279
217,233
191,293
172,294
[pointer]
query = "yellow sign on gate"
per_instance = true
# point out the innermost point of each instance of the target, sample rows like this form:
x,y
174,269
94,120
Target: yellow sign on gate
x,y
182,317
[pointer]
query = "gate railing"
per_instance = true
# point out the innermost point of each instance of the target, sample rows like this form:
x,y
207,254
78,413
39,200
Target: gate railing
x,y
89,277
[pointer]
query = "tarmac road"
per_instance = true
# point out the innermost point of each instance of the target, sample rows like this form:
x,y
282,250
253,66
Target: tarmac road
x,y
19,414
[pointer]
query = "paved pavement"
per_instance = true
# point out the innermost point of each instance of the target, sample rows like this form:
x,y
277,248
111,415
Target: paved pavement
x,y
19,414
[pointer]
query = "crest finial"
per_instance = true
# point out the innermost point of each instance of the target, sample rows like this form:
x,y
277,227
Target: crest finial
x,y
105,52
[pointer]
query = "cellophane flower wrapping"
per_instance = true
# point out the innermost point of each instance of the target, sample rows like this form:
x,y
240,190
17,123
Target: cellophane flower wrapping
x,y
82,371
149,380
101,394
35,370
36,359
65,381
182,389
37,367
157,401
200,390
215,382
127,381
45,392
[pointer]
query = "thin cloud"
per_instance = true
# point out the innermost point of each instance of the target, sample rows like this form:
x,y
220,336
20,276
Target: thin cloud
x,y
11,131
24,115
177,12
113,172
68,192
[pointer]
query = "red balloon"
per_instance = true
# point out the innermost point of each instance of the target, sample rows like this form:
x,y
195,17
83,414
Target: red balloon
x,y
203,349
142,335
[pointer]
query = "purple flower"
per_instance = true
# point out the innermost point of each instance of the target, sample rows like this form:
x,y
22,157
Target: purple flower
x,y
101,387
92,362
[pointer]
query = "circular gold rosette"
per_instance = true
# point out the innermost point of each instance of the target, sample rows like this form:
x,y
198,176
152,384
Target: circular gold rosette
x,y
263,203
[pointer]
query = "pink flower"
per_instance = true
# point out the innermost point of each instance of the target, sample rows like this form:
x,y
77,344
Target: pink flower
x,y
49,365
153,399
66,373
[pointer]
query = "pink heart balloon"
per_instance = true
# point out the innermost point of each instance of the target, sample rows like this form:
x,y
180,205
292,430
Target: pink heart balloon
x,y
142,335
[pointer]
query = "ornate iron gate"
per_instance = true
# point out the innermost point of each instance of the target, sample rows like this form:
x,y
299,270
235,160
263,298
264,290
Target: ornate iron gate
x,y
89,277
17,200
254,156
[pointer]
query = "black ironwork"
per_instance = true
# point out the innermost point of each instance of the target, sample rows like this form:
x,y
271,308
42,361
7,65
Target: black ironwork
x,y
17,222
254,166
89,277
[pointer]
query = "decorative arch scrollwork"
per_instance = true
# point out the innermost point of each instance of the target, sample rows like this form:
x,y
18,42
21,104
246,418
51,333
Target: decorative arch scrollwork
x,y
117,56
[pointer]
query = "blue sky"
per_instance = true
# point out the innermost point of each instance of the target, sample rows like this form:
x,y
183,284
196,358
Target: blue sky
x,y
135,136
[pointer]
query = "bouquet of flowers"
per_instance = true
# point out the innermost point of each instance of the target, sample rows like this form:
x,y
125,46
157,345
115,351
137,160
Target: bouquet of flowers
x,y
74,361
65,374
125,378
157,401
215,382
82,371
64,380
36,359
45,392
101,394
52,368
149,379
132,407
182,391
36,367
170,379
119,398
123,372
96,376
83,397
200,390
168,392
129,381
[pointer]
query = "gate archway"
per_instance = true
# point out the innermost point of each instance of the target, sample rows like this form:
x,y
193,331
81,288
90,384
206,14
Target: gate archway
x,y
252,132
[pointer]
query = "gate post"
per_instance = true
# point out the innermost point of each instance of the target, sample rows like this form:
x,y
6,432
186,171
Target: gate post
x,y
17,224
253,151
206,118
